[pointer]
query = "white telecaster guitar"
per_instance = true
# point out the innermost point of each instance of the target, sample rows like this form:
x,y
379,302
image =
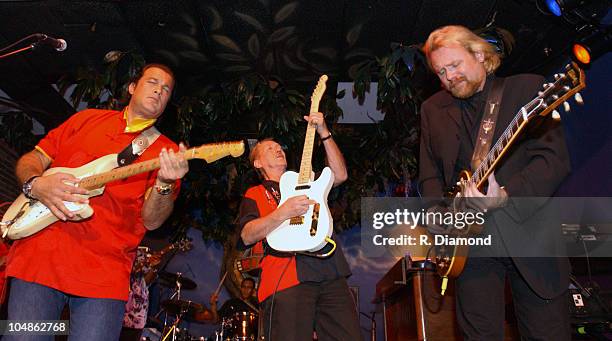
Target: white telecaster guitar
x,y
313,230
26,217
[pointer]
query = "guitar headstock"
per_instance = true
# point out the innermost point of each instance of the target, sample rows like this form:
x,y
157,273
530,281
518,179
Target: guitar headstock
x,y
317,94
215,151
558,92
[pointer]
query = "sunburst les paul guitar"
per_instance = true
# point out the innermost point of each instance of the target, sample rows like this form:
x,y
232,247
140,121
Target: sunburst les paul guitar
x,y
450,260
26,217
312,231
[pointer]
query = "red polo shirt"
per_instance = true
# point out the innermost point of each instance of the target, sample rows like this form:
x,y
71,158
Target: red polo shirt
x,y
277,273
93,257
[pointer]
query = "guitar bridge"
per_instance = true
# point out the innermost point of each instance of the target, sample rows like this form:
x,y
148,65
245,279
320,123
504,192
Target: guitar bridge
x,y
315,220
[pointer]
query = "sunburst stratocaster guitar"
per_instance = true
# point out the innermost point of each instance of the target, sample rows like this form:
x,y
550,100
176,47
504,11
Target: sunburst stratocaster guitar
x,y
26,217
450,260
312,231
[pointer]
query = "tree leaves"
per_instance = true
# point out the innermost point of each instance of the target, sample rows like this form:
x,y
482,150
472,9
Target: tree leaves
x,y
281,34
253,45
353,34
285,12
250,20
226,42
217,21
231,57
328,52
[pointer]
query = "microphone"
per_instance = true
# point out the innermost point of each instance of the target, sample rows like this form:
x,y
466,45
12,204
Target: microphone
x,y
57,44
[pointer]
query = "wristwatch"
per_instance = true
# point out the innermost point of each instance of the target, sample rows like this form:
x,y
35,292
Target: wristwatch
x,y
27,187
164,189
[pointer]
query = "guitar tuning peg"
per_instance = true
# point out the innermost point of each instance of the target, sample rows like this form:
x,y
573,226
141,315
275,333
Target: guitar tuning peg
x,y
540,93
555,96
566,107
578,98
550,84
556,116
561,75
556,76
545,85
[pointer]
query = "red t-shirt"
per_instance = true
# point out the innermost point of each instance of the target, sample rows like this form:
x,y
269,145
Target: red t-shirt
x,y
273,268
92,257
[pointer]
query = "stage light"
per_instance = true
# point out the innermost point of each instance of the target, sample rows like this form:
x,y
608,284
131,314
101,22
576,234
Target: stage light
x,y
560,7
589,48
581,54
553,7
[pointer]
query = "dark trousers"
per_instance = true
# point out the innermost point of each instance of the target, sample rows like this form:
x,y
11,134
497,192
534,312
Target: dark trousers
x,y
326,307
480,304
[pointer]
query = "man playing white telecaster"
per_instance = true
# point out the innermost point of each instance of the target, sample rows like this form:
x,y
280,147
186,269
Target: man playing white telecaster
x,y
297,293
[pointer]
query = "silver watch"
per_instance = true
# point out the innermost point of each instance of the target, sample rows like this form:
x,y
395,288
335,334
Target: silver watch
x,y
27,187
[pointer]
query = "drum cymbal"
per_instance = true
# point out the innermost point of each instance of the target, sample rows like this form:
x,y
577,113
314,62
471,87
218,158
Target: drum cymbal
x,y
171,278
202,316
187,308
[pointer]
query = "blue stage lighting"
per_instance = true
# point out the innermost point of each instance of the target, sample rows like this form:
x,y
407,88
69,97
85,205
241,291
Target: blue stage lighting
x,y
553,7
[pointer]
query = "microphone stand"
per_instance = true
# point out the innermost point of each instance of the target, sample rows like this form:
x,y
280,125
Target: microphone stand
x,y
372,324
23,49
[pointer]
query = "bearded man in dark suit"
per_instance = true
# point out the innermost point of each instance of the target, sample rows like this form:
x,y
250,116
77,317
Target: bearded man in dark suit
x,y
534,167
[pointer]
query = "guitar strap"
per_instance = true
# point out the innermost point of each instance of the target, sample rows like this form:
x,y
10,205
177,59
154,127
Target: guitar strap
x,y
488,122
138,145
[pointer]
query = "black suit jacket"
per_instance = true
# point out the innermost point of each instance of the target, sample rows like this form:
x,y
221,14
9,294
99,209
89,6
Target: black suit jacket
x,y
533,167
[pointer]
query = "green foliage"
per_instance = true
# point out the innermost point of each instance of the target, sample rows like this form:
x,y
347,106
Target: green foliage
x,y
258,106
388,153
106,89
251,106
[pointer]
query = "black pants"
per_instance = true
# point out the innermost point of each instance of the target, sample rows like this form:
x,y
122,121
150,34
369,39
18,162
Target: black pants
x,y
325,307
480,304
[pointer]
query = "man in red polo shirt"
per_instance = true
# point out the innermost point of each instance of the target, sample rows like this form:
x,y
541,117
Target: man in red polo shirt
x,y
298,294
86,264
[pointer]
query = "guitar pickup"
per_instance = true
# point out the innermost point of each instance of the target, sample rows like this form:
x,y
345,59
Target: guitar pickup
x,y
296,220
301,187
315,220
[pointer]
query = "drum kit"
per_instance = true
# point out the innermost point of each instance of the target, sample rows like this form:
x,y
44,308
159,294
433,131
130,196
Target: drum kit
x,y
241,326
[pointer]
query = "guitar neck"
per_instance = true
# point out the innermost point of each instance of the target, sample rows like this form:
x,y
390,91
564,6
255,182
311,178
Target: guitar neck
x,y
500,147
167,249
565,85
306,164
209,152
99,180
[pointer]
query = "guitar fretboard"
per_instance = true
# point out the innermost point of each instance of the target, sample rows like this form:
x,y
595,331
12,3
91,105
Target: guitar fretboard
x,y
498,149
547,100
306,163
99,180
209,152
